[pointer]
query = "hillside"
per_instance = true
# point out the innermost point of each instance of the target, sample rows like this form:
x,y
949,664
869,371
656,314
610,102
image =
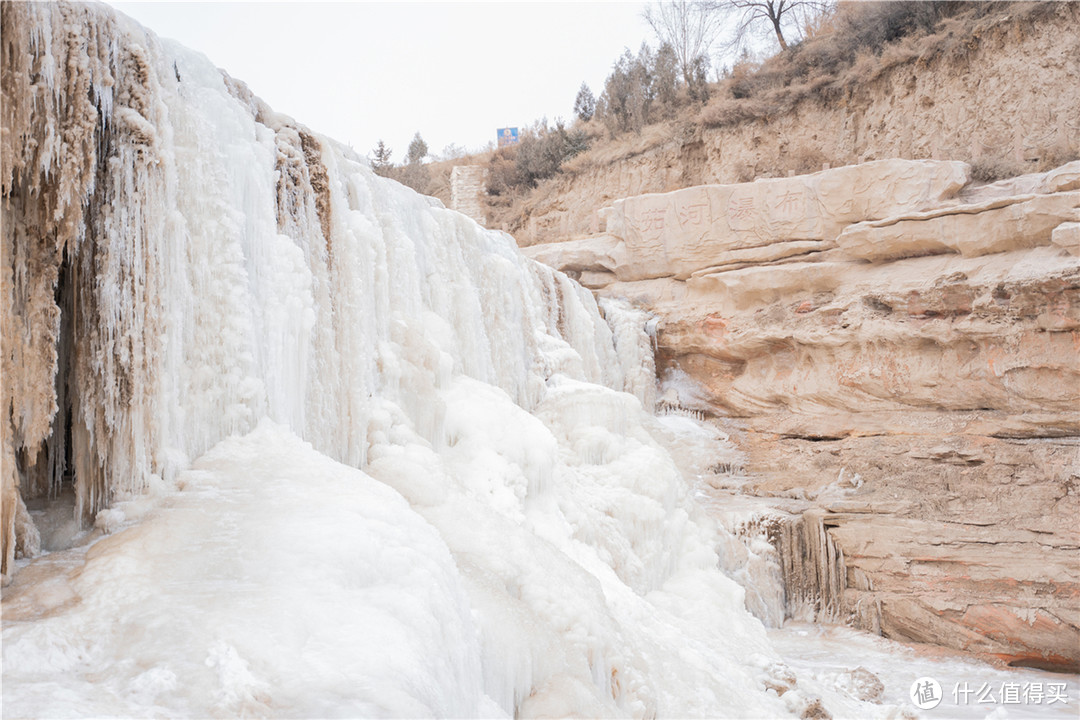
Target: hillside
x,y
993,86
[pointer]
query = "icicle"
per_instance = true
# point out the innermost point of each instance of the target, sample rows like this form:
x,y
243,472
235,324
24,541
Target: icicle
x,y
814,572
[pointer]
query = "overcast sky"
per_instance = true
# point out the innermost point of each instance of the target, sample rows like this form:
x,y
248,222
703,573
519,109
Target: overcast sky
x,y
364,71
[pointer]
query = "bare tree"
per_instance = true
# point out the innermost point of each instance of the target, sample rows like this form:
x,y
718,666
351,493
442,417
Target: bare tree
x,y
754,17
689,26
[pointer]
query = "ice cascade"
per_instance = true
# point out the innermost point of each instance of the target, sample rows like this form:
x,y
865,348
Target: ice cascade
x,y
350,454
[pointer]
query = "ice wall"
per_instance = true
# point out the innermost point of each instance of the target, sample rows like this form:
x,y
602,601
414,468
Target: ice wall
x,y
359,455
180,262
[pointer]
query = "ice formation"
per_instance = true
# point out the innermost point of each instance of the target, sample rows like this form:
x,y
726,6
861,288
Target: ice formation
x,y
353,454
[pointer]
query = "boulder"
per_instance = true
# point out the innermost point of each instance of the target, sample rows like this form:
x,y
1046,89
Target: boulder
x,y
1067,236
595,253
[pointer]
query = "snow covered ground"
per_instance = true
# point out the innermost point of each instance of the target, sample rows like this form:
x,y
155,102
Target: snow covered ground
x,y
275,581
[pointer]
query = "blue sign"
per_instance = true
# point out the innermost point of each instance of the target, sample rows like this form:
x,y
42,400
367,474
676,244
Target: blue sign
x,y
507,136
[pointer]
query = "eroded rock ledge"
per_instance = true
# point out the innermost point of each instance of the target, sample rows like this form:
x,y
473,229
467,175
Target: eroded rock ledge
x,y
891,322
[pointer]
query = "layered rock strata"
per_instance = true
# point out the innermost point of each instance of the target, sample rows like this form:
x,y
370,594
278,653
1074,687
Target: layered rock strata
x,y
900,348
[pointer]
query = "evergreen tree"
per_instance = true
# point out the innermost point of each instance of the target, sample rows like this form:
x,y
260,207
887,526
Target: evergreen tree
x,y
699,84
628,92
414,172
584,104
641,88
380,158
418,150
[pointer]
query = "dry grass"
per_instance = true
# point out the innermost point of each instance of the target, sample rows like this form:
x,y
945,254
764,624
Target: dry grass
x,y
603,153
858,45
993,167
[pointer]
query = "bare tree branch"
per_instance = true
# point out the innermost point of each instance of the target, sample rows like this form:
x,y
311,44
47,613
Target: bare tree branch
x,y
759,17
689,26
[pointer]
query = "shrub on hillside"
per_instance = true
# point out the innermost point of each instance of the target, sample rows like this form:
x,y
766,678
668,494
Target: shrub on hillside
x,y
503,175
989,169
539,154
648,87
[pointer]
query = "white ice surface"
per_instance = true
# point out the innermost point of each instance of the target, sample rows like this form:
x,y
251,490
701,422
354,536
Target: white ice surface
x,y
277,582
827,654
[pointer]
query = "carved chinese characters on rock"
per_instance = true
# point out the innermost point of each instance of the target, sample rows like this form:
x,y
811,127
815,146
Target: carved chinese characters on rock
x,y
649,218
793,212
653,220
772,211
740,211
789,205
742,216
693,214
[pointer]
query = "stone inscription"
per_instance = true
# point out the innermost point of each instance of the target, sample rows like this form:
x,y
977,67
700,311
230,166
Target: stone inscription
x,y
681,232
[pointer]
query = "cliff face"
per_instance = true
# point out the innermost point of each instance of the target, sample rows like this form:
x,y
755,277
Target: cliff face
x,y
899,349
1011,98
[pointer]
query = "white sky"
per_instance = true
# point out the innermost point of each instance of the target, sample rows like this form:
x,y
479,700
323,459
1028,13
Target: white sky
x,y
363,71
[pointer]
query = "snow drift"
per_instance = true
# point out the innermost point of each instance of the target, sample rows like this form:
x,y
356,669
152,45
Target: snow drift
x,y
353,454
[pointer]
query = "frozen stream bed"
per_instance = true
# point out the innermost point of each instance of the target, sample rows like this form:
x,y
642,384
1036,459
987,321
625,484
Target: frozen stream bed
x,y
969,688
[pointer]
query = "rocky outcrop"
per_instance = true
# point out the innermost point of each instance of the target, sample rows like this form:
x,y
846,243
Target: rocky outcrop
x,y
958,539
970,230
899,349
688,231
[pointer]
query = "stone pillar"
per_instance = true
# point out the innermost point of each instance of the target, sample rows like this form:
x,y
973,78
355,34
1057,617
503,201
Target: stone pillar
x,y
468,183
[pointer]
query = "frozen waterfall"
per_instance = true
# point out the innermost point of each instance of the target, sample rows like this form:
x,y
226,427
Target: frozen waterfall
x,y
339,451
